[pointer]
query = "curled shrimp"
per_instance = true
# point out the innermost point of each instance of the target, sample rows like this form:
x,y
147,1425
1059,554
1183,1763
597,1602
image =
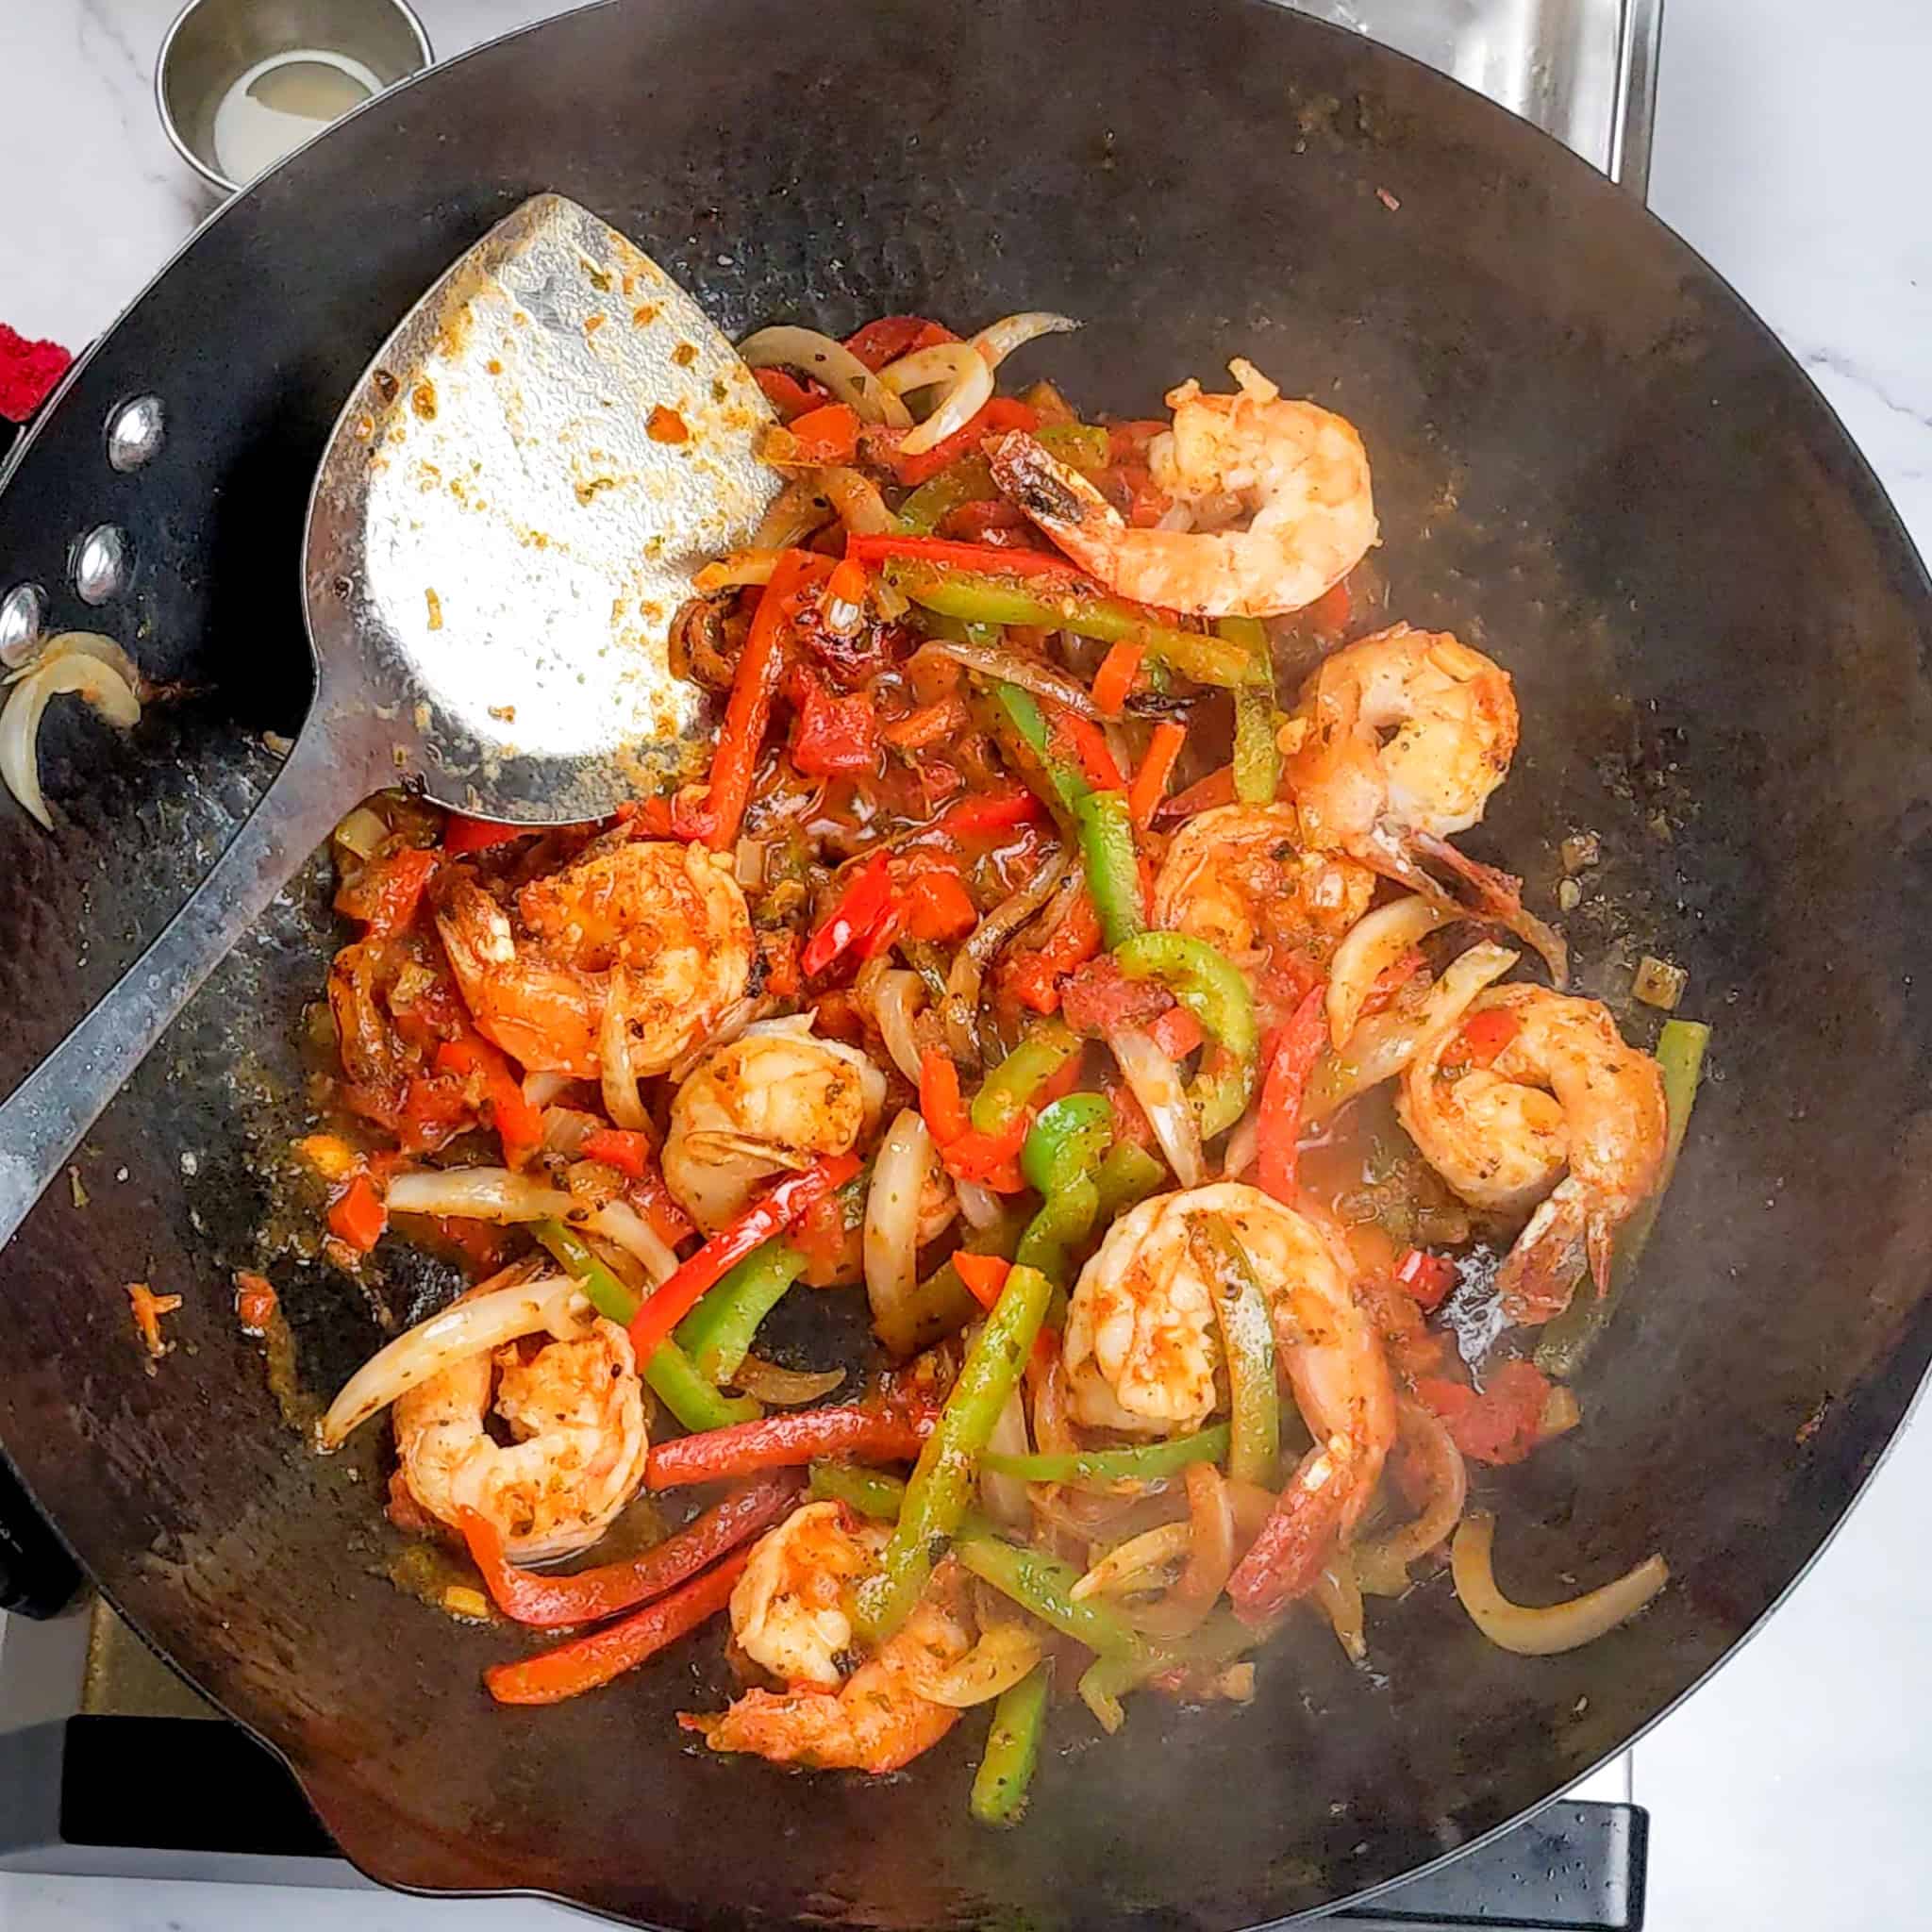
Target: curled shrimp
x,y
1241,877
574,1410
776,1098
1398,742
658,925
792,1609
1142,1344
876,1721
1277,492
1563,1092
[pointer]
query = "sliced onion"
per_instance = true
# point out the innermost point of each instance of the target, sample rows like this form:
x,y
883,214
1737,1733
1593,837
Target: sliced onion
x,y
1379,1048
621,1223
615,1074
740,568
857,499
980,1206
1373,943
1141,1562
1243,1148
82,644
1000,1657
998,340
1006,1495
960,1012
1210,1558
890,1245
1053,1428
485,1319
1011,668
1155,1082
542,1088
1339,1596
784,1388
748,863
831,364
796,511
75,670
897,995
360,833
1554,1627
968,377
477,1193
566,1129
1382,1566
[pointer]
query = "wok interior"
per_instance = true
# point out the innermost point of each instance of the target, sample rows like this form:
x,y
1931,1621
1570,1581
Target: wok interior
x,y
1588,461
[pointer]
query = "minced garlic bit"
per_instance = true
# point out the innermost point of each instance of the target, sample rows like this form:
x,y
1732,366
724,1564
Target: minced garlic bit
x,y
74,1183
460,1600
1659,983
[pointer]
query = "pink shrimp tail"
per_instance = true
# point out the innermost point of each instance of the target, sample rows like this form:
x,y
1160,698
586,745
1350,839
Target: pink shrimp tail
x,y
1541,1273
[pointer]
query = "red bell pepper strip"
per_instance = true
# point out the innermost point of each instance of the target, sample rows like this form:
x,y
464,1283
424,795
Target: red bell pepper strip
x,y
787,394
1426,1278
828,434
586,1662
386,893
463,834
988,559
1090,748
790,1441
832,735
1176,1033
997,812
938,1097
938,909
1292,1057
989,1158
519,1125
1033,978
1001,413
866,896
550,1603
983,1276
629,1153
682,1289
760,669
1485,1035
886,338
358,1216
1113,683
1156,767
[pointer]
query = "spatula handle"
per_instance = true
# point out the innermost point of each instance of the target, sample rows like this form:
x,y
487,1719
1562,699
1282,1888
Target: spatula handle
x,y
44,1121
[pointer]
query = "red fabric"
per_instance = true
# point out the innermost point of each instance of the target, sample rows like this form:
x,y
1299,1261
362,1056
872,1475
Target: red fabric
x,y
28,372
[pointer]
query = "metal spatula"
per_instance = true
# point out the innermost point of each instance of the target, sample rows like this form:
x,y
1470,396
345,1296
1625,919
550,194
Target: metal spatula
x,y
504,523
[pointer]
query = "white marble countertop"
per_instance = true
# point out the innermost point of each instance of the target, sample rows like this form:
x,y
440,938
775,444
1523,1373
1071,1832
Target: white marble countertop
x,y
1792,1790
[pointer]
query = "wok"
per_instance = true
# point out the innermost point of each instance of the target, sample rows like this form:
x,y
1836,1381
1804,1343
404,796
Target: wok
x,y
1591,458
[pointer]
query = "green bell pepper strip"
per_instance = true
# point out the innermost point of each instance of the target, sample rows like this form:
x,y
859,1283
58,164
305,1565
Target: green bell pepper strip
x,y
1257,763
968,480
1145,1463
1062,1226
979,599
668,1370
1566,1344
1012,1749
1044,1586
870,1492
942,1305
1248,1338
1219,1641
1083,445
1061,1155
1207,984
1126,1178
717,1334
1009,1087
1018,711
944,1478
1113,872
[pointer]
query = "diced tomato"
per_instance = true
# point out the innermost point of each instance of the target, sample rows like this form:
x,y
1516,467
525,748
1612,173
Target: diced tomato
x,y
386,893
1503,1422
938,1097
1099,1000
1176,1033
988,1157
787,394
519,1125
356,1215
1485,1035
628,1151
1287,979
1426,1278
983,1276
1033,976
653,1198
779,948
938,908
831,734
888,337
435,1108
993,523
828,434
255,1301
1000,414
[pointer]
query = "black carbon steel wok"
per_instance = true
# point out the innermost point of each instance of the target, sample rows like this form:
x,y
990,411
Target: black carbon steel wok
x,y
1590,457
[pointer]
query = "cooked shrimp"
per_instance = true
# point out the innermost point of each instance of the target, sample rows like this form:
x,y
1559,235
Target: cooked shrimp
x,y
662,926
776,1098
790,1610
575,1412
877,1721
1398,741
1142,1344
1500,1123
1277,492
1241,878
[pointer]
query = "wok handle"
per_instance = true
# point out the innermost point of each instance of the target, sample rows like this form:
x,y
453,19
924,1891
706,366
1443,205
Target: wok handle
x,y
44,1120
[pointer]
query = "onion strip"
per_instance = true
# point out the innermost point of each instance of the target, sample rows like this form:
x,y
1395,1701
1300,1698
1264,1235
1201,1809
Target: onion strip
x,y
1139,1563
477,1193
1382,1566
1043,680
890,1242
619,1083
1156,1084
857,499
485,1319
1005,1495
960,1012
784,1388
1374,942
896,997
831,364
75,670
968,377
1000,1657
998,340
1552,1629
732,572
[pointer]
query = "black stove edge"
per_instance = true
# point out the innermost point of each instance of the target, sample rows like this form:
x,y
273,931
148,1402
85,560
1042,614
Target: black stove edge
x,y
129,1797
